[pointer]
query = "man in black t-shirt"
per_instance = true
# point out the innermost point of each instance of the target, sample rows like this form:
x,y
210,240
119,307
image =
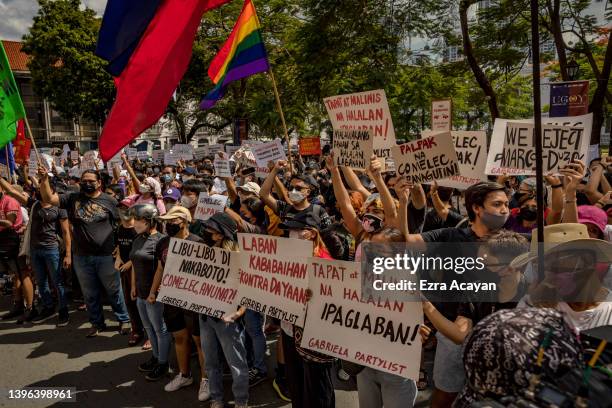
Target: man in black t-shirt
x,y
93,216
302,187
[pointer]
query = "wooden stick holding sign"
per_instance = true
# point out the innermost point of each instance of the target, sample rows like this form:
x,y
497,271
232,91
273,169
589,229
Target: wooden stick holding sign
x,y
25,119
282,116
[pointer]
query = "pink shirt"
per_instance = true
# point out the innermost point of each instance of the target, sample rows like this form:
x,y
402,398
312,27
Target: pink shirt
x,y
10,205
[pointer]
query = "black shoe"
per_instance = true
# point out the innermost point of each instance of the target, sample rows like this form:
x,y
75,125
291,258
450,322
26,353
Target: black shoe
x,y
63,319
256,377
16,311
148,366
28,315
158,372
45,314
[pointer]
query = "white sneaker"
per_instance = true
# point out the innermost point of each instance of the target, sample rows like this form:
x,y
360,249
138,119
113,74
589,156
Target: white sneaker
x,y
204,393
178,382
217,404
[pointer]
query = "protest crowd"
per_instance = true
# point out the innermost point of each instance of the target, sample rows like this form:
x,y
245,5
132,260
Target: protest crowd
x,y
77,232
356,255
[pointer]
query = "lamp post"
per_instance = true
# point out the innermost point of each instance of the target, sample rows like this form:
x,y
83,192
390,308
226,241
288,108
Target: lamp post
x,y
572,70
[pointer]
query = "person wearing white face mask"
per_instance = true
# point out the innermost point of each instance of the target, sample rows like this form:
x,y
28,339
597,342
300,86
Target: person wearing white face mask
x,y
144,266
301,188
189,200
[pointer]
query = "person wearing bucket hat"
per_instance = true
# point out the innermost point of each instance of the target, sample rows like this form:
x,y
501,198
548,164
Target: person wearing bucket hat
x,y
575,266
183,324
226,334
502,353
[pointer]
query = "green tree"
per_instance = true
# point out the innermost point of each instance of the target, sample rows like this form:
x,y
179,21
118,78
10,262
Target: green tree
x,y
65,71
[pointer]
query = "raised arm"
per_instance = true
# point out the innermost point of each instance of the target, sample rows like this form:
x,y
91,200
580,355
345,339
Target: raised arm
x,y
353,182
10,190
456,331
46,194
438,205
417,197
593,184
385,195
573,173
554,216
130,170
266,189
402,188
342,198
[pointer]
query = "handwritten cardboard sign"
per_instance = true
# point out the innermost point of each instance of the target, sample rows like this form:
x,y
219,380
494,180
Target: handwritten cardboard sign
x,y
500,163
197,278
266,152
353,148
184,151
441,115
428,159
273,275
310,146
209,206
383,335
222,167
471,148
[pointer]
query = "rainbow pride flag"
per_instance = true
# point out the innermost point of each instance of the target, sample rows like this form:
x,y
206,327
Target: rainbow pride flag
x,y
242,55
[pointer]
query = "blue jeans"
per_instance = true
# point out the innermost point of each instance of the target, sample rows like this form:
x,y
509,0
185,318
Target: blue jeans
x,y
254,324
96,273
216,336
153,323
377,389
46,263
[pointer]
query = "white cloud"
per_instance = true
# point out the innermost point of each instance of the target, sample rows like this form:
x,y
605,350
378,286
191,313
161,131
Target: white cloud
x,y
17,16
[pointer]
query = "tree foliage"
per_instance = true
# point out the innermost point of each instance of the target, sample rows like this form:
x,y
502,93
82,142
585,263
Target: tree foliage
x,y
64,69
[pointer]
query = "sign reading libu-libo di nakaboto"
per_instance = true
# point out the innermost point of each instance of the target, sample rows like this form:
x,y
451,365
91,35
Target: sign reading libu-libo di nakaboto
x,y
383,335
197,278
272,275
428,159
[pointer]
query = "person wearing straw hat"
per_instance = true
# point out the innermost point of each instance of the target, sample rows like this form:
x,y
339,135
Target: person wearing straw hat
x,y
574,269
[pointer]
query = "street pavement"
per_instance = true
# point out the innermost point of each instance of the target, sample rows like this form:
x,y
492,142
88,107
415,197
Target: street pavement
x,y
104,370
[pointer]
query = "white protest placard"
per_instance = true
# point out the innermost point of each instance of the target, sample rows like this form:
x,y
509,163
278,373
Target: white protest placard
x,y
197,278
171,158
593,153
273,275
91,161
131,152
230,150
496,161
158,156
471,148
364,110
75,172
271,151
428,159
74,155
142,155
65,152
209,206
442,115
222,167
200,152
381,335
184,151
214,149
261,172
45,159
353,148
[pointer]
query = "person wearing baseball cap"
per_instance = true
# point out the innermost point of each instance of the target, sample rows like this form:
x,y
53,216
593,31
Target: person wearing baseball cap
x,y
250,189
184,325
171,196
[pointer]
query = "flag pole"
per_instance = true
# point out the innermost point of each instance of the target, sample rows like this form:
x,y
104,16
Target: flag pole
x,y
8,165
282,115
25,119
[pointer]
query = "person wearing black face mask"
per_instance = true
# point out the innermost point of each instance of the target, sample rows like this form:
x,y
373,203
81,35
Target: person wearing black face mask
x,y
93,215
183,325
